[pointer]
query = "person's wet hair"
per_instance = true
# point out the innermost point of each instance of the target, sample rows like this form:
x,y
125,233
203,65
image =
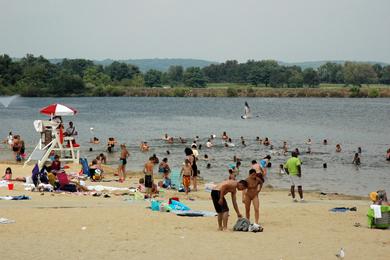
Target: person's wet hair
x,y
267,157
294,154
208,166
252,171
168,152
243,183
254,162
188,151
165,160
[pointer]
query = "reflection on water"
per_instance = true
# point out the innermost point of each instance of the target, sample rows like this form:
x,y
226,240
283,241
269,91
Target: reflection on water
x,y
351,122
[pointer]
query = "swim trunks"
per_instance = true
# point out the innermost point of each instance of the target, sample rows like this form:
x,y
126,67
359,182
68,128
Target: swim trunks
x,y
215,194
123,161
186,180
148,181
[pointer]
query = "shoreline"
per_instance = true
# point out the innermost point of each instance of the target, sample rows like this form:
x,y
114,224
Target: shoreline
x,y
133,177
375,91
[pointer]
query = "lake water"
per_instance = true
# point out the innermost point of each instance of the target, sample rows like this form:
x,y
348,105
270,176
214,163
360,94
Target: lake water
x,y
350,122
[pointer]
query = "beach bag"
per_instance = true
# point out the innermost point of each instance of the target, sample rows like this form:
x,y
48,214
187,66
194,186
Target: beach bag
x,y
242,224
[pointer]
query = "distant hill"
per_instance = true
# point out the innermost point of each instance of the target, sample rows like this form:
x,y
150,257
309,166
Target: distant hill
x,y
159,64
317,64
164,64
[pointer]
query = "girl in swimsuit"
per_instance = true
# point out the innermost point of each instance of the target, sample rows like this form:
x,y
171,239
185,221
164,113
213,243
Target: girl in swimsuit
x,y
8,174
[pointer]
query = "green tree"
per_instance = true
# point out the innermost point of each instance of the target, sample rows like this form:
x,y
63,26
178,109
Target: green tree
x,y
194,77
295,79
76,66
96,76
175,75
358,74
310,77
153,78
378,70
137,81
66,85
385,78
10,72
37,72
119,71
331,73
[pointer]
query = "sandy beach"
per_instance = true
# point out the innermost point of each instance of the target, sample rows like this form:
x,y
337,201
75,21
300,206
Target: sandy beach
x,y
77,226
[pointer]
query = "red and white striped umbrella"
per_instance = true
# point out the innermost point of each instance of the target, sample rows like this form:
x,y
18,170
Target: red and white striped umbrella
x,y
58,110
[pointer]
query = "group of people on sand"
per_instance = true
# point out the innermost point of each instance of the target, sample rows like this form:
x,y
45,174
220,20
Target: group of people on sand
x,y
251,187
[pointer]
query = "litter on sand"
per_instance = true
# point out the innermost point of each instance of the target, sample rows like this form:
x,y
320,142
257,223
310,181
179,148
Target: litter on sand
x,y
6,221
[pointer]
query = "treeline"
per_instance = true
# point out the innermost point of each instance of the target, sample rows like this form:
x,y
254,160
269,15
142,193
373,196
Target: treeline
x,y
37,76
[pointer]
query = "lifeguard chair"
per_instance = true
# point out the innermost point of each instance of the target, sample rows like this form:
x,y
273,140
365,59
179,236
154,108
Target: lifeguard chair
x,y
52,137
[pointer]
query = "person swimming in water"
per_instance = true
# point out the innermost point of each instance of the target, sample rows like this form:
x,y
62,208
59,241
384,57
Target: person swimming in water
x,y
111,144
356,159
144,147
209,144
338,148
225,137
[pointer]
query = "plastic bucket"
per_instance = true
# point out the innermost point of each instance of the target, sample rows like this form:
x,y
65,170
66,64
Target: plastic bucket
x,y
10,186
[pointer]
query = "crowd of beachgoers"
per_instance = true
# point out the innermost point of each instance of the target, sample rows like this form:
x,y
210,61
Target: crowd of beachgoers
x,y
53,175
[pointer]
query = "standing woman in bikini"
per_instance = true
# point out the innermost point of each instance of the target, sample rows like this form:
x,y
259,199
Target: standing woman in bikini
x,y
192,159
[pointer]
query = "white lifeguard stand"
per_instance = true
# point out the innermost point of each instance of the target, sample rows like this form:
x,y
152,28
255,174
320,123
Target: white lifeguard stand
x,y
52,139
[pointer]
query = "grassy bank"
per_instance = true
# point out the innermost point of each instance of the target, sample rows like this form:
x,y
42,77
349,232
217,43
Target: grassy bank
x,y
230,90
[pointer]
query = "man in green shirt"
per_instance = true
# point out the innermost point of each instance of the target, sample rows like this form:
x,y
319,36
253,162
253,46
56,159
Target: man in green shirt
x,y
293,168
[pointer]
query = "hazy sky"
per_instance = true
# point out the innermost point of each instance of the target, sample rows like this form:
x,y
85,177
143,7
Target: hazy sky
x,y
287,30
